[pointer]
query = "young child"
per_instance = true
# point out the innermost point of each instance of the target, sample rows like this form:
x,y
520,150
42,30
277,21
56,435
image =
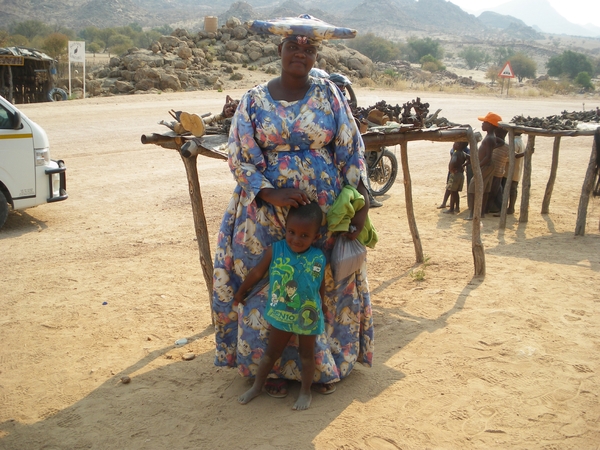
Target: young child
x,y
456,176
296,276
464,148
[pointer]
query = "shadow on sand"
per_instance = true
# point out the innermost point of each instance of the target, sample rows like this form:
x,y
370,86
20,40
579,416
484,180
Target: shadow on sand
x,y
174,405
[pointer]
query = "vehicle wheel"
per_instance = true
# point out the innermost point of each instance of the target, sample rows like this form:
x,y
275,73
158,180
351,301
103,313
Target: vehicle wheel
x,y
57,95
3,209
351,97
383,174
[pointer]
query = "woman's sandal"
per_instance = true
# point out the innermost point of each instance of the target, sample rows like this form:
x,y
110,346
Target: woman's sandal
x,y
324,388
276,387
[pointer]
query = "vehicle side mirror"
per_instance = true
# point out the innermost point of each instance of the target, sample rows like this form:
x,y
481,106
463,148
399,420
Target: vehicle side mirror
x,y
16,125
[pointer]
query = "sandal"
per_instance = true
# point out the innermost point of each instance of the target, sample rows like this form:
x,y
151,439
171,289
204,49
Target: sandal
x,y
276,387
325,388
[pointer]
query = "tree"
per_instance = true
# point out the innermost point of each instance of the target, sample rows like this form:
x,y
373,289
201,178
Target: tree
x,y
474,57
430,64
56,45
568,63
3,38
503,54
492,73
417,48
17,40
376,48
119,43
584,80
523,66
166,30
30,29
94,47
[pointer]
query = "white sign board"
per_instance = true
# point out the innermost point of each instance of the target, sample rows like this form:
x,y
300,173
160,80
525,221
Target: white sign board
x,y
507,71
77,51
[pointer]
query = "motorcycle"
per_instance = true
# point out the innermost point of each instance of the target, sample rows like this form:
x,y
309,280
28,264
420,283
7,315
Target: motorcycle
x,y
382,167
381,163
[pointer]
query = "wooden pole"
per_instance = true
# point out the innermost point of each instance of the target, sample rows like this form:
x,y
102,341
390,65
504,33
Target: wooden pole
x,y
526,188
410,212
588,185
200,226
11,86
550,185
476,244
509,177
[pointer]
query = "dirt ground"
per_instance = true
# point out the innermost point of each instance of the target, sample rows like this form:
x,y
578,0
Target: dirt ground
x,y
102,285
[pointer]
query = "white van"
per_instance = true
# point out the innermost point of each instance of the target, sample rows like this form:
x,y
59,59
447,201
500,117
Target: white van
x,y
27,175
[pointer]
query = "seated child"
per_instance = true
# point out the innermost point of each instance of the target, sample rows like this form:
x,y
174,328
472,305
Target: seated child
x,y
296,272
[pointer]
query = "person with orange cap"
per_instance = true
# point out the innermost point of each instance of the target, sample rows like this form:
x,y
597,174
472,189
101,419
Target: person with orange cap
x,y
486,163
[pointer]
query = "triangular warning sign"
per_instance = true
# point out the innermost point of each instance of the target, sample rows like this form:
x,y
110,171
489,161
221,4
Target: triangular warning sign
x,y
507,71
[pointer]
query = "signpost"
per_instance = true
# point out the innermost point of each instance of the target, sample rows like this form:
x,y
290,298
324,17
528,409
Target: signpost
x,y
77,55
506,72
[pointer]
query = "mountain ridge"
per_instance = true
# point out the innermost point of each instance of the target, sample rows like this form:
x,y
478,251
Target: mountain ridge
x,y
395,18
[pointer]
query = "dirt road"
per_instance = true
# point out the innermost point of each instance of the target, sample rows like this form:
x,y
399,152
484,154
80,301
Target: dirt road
x,y
102,285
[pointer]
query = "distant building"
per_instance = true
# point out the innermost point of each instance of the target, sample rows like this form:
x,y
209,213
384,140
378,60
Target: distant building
x,y
27,76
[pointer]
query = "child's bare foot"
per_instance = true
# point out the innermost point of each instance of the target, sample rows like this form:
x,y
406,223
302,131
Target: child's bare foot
x,y
249,395
303,401
449,211
442,206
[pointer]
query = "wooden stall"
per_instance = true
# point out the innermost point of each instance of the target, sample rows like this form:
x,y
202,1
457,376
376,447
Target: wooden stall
x,y
25,75
209,145
380,137
557,135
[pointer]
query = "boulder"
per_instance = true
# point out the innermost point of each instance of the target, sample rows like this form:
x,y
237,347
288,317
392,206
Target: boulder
x,y
169,81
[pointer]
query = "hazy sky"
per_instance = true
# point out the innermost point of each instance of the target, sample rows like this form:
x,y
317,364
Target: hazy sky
x,y
576,11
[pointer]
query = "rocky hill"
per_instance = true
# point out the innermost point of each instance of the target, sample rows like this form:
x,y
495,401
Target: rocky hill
x,y
384,17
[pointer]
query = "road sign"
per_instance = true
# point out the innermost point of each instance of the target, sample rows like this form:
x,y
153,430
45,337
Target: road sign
x,y
507,71
77,51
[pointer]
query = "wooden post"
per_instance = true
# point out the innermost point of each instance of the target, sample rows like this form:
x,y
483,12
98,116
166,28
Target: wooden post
x,y
509,177
476,244
588,185
550,185
200,226
11,86
526,188
410,211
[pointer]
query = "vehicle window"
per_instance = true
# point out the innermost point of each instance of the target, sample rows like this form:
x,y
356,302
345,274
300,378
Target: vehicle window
x,y
6,119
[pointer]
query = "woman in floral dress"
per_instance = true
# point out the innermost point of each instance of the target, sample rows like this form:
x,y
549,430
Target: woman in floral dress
x,y
292,140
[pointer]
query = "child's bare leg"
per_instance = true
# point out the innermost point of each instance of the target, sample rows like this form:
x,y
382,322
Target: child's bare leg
x,y
277,341
307,356
471,203
446,195
453,202
483,204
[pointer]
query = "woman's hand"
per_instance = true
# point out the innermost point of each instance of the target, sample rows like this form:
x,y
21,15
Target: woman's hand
x,y
284,197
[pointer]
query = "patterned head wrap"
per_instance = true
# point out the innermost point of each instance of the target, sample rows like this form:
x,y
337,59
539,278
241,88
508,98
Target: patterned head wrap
x,y
302,27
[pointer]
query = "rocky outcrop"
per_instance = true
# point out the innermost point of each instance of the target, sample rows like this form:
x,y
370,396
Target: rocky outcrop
x,y
207,60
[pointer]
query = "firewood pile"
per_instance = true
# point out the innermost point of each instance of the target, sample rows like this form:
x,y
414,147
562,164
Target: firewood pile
x,y
415,113
559,122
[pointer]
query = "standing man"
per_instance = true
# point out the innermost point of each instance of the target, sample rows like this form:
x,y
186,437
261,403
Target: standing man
x,y
489,143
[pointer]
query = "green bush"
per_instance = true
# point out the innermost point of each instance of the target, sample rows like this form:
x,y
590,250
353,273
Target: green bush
x,y
584,80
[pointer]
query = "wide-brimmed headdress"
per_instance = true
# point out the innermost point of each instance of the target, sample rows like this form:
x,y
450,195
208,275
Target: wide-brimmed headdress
x,y
305,29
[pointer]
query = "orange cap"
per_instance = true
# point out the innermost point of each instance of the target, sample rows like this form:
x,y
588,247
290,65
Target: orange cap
x,y
492,118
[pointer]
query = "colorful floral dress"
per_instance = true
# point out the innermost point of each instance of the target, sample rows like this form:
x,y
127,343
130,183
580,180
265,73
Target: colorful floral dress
x,y
314,145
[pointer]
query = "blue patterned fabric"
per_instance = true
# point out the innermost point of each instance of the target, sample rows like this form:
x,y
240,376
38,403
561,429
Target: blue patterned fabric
x,y
312,144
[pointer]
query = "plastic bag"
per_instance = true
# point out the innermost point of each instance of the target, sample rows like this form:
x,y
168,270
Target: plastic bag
x,y
347,257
